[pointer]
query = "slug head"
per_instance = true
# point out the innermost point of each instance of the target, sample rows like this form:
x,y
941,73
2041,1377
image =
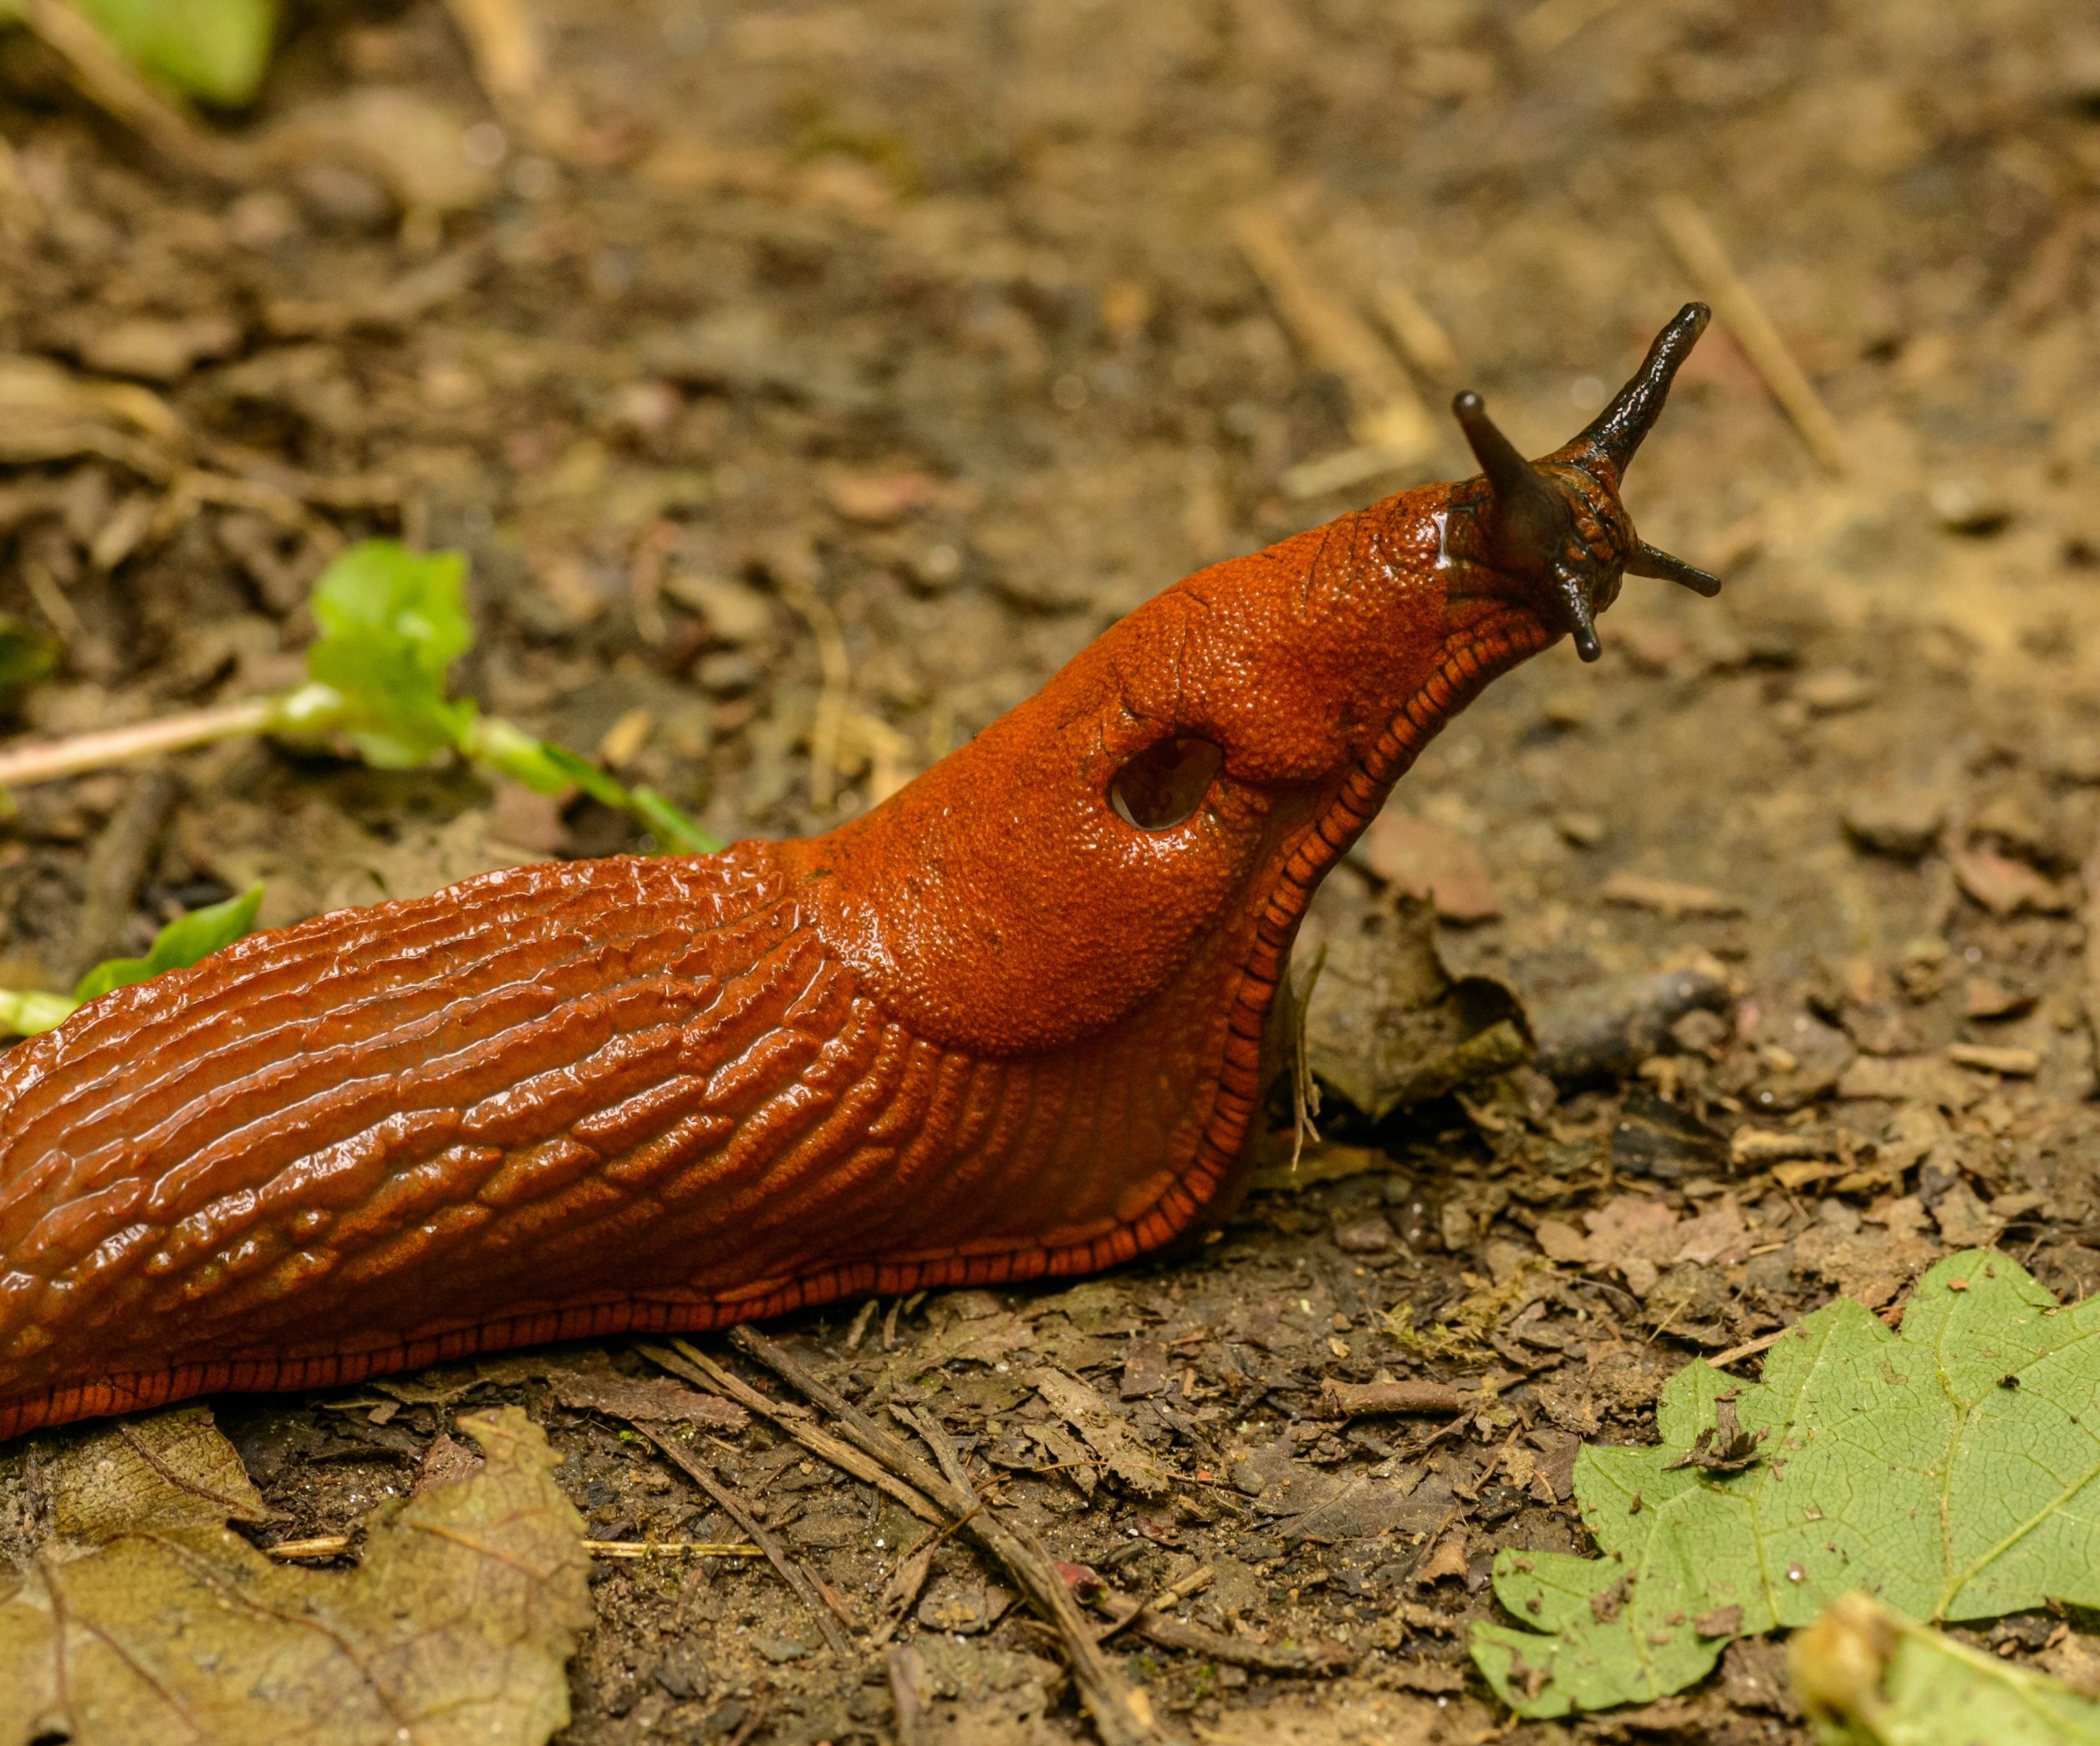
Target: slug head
x,y
1125,835
1553,533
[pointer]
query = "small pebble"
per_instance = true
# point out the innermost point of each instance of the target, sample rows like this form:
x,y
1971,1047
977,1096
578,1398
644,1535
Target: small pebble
x,y
1985,999
1370,1235
1904,823
1831,691
1968,505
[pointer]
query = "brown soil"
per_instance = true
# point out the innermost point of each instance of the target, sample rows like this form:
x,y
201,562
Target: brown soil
x,y
928,323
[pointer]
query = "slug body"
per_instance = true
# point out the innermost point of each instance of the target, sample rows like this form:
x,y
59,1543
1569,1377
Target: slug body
x,y
1007,1025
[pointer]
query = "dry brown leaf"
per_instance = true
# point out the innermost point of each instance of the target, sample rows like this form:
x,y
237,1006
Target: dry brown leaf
x,y
880,500
1964,1221
2005,887
49,414
1372,1719
1448,1559
1718,1235
1868,1266
398,135
145,1618
1635,1235
1106,1431
1429,861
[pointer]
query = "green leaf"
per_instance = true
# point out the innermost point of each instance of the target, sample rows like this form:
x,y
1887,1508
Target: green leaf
x,y
415,602
216,50
1953,1471
392,623
182,942
1869,1677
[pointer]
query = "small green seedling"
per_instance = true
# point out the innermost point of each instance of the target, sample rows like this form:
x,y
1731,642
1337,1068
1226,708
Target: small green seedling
x,y
183,943
393,621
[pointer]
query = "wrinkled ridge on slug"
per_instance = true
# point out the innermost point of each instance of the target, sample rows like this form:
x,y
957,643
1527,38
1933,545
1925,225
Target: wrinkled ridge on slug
x,y
1010,1024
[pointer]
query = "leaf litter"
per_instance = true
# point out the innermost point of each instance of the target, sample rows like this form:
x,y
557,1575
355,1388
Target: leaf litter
x,y
145,1616
1952,1470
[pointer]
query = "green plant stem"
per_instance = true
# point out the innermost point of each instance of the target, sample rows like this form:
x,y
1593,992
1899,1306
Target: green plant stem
x,y
26,1012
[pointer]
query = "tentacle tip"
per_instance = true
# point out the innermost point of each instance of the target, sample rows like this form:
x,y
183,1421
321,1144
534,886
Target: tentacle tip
x,y
1582,620
1648,560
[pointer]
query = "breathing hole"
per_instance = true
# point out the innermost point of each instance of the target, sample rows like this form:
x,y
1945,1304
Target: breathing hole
x,y
1164,784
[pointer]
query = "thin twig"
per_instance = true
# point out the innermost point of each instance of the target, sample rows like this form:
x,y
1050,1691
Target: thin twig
x,y
51,600
1748,1349
694,1366
827,723
1387,418
755,1721
906,1582
335,1545
1156,1625
943,1452
1305,1090
1350,1399
321,1545
734,1507
1173,1595
1119,1712
1698,246
1420,335
909,1685
117,865
106,79
888,753
503,43
47,760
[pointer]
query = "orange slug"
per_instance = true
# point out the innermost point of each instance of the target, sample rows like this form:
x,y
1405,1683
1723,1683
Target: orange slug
x,y
1008,1024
